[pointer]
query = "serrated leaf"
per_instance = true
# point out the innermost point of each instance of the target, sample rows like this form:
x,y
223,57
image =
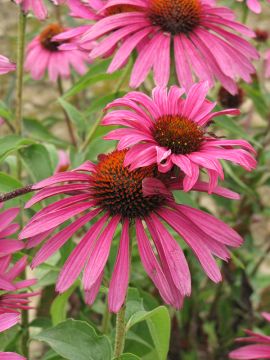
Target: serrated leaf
x,y
76,340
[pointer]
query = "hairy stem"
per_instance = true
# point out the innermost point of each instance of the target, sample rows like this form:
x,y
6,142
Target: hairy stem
x,y
15,193
105,320
120,332
67,119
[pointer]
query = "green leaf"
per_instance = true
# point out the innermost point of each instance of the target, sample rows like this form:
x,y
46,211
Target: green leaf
x,y
12,143
96,74
74,114
76,340
158,321
9,183
254,92
5,112
59,306
127,356
100,103
40,132
230,124
37,161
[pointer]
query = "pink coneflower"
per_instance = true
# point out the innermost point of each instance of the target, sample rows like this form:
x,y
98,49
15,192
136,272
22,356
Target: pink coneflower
x,y
267,64
8,228
260,348
6,65
201,35
37,6
112,196
13,300
81,9
43,54
10,356
169,131
254,5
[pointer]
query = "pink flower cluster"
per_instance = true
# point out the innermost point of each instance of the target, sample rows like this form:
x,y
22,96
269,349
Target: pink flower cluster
x,y
13,295
259,348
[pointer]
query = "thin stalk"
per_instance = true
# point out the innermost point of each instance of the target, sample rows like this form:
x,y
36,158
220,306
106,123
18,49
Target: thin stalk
x,y
20,69
19,130
67,119
106,320
120,332
15,193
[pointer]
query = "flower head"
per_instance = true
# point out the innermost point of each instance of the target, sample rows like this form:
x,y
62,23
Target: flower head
x,y
6,65
168,130
201,34
254,5
43,54
110,196
8,228
260,348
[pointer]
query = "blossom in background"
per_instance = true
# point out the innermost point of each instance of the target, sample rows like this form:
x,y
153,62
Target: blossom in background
x,y
85,10
64,161
260,348
204,37
6,65
267,64
112,196
43,54
169,130
37,6
15,299
253,5
7,228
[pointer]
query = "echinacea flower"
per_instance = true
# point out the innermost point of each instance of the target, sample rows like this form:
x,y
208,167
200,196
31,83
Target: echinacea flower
x,y
267,64
6,65
8,228
10,356
254,5
260,348
201,36
37,6
15,299
81,9
43,54
112,196
169,130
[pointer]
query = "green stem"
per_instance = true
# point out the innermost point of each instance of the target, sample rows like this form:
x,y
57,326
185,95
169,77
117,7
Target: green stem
x,y
245,13
67,119
106,320
120,332
18,130
20,71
